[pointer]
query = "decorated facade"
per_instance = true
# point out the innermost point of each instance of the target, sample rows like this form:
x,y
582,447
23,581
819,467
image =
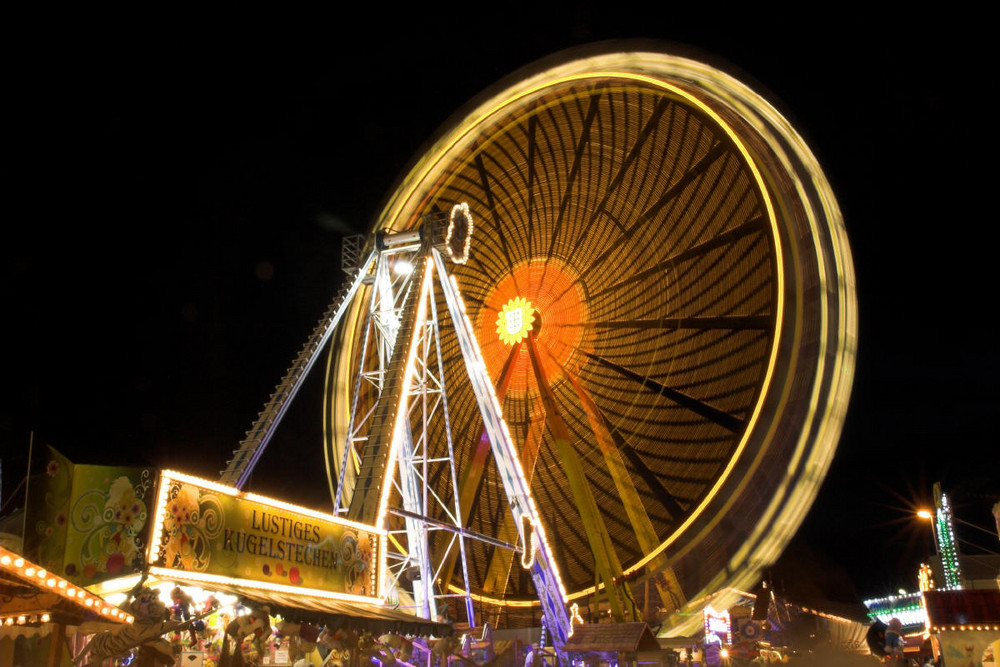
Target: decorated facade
x,y
203,575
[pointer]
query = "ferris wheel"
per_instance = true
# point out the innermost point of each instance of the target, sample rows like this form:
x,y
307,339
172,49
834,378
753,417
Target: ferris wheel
x,y
660,297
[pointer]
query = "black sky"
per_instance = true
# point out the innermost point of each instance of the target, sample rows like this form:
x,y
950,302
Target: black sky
x,y
179,185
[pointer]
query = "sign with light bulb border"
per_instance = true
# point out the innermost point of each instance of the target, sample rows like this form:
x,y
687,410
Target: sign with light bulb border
x,y
209,532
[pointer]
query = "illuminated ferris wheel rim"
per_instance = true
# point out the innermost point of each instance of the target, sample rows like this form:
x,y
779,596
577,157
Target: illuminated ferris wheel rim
x,y
695,82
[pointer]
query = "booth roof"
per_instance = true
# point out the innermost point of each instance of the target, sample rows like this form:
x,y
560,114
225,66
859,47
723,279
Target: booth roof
x,y
605,637
28,595
963,607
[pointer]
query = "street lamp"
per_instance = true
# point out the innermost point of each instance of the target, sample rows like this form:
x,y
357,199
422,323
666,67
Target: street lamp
x,y
929,516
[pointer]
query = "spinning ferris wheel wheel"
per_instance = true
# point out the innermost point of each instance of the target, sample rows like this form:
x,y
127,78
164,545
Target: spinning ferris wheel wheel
x,y
658,300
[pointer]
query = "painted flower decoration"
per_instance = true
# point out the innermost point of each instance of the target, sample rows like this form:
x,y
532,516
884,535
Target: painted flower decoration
x,y
514,320
125,508
182,515
182,508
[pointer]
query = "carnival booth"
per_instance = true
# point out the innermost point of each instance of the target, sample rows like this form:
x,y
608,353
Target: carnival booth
x,y
43,617
964,625
259,580
232,624
208,576
622,644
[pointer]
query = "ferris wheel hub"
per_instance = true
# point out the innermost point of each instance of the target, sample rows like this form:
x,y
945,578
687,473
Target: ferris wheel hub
x,y
515,320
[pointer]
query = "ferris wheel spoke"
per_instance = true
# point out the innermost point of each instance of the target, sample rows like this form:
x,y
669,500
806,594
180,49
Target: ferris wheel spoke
x,y
612,446
645,471
573,176
719,149
627,493
532,177
601,545
756,224
651,123
737,322
699,407
501,560
491,205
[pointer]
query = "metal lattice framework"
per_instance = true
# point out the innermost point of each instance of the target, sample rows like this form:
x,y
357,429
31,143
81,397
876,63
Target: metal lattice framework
x,y
400,446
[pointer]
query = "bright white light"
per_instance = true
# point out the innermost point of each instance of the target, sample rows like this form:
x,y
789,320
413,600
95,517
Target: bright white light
x,y
402,267
515,318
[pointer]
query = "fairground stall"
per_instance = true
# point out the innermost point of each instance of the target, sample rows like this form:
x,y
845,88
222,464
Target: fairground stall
x,y
951,624
622,644
211,575
964,625
766,628
249,578
43,617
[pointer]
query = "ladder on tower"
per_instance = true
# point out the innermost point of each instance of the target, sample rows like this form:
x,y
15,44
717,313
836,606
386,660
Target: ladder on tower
x,y
245,457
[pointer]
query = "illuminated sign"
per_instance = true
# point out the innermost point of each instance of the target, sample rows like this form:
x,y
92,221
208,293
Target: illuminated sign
x,y
947,544
908,608
926,578
719,625
207,531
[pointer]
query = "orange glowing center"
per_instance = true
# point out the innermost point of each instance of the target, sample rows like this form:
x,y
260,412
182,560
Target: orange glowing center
x,y
514,320
552,291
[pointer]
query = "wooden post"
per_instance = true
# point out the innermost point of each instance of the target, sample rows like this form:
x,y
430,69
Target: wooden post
x,y
56,639
645,600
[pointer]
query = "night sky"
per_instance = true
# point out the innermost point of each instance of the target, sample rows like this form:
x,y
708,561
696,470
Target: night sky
x,y
180,186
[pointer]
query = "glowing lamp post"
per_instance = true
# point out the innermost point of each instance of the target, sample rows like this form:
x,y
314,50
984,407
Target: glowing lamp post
x,y
928,516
